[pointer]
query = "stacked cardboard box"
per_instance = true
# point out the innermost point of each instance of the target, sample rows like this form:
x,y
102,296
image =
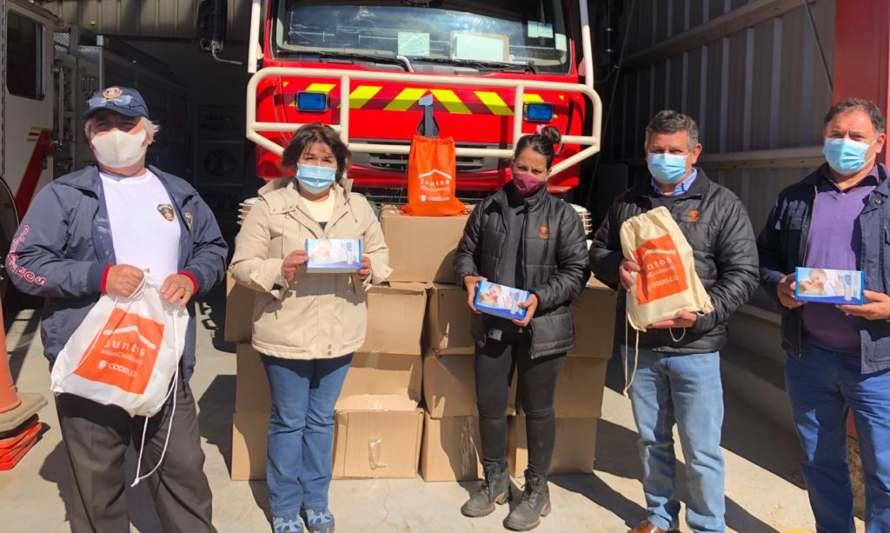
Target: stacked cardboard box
x,y
377,415
579,389
421,249
451,441
379,423
251,420
450,449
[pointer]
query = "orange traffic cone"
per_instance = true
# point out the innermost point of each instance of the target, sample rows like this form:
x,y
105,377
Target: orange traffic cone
x,y
19,426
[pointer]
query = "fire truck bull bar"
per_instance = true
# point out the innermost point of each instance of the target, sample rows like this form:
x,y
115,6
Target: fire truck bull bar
x,y
591,142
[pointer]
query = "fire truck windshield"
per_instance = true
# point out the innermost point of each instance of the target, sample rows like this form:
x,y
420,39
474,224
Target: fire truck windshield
x,y
525,35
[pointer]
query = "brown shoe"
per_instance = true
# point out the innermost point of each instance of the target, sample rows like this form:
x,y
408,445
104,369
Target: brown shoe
x,y
649,527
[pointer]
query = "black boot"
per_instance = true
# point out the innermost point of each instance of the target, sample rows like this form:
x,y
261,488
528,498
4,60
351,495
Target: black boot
x,y
534,504
495,489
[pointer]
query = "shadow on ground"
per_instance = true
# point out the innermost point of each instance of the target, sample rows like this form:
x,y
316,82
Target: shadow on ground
x,y
140,506
215,412
617,454
212,310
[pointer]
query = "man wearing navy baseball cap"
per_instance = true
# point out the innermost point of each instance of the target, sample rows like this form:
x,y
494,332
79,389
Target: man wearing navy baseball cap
x,y
103,230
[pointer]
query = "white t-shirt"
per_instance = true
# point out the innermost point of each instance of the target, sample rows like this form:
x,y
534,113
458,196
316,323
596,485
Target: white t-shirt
x,y
321,210
145,228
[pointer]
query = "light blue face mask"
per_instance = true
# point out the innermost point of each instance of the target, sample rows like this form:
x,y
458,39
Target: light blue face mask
x,y
316,180
845,156
668,169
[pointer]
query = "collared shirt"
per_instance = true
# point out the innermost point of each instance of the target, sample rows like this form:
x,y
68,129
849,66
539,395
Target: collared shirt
x,y
835,243
680,188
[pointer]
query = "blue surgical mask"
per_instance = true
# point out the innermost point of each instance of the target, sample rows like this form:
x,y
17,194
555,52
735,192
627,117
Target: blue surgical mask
x,y
316,180
667,168
845,156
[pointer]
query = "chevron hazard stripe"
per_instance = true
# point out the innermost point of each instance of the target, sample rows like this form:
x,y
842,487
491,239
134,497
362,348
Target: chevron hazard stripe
x,y
406,99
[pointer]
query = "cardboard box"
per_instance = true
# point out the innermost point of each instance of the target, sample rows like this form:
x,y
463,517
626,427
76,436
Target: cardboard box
x,y
374,437
421,249
380,439
451,449
383,374
239,311
449,386
580,387
251,384
249,440
369,374
574,451
395,319
594,314
449,321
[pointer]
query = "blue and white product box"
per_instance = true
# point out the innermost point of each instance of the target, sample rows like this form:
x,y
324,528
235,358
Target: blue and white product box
x,y
334,256
500,300
827,286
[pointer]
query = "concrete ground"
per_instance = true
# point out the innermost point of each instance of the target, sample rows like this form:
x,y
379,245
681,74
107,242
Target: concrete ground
x,y
763,492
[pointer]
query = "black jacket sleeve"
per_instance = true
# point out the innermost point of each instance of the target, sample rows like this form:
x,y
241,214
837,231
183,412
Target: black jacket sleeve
x,y
769,249
737,267
572,269
465,255
605,252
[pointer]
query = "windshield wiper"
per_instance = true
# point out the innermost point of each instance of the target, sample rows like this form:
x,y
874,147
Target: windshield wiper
x,y
371,58
472,63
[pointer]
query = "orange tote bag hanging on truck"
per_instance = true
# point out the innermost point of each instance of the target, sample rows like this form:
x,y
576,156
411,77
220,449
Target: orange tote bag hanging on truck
x,y
432,178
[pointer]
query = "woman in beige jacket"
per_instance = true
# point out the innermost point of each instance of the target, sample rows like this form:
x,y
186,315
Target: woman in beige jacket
x,y
307,325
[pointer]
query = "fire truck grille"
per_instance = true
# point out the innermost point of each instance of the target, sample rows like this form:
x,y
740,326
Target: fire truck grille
x,y
399,163
400,196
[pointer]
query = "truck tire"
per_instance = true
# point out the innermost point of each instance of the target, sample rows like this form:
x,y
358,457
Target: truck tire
x,y
9,221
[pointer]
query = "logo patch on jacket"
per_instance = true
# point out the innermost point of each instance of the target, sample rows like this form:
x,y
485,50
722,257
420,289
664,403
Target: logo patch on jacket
x,y
693,216
544,232
166,211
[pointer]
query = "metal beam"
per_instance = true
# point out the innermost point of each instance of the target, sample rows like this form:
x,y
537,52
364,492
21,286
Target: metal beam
x,y
731,23
804,157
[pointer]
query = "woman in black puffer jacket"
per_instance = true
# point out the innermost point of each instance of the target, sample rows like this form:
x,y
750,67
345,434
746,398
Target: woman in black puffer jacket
x,y
523,237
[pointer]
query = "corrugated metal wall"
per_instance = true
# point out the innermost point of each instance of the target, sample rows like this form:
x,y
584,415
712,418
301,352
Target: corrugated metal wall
x,y
145,18
761,88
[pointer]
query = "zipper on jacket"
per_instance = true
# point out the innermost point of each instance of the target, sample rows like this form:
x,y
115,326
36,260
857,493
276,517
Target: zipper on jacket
x,y
803,251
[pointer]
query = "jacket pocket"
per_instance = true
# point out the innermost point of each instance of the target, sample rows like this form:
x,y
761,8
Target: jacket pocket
x,y
878,336
553,333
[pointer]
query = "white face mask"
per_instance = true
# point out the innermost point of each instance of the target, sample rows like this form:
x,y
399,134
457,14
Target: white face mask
x,y
118,149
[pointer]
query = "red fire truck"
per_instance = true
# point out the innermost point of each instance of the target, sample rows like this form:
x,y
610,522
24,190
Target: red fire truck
x,y
490,70
26,109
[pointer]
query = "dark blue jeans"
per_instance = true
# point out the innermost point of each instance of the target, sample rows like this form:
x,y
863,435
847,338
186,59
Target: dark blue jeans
x,y
301,432
823,386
